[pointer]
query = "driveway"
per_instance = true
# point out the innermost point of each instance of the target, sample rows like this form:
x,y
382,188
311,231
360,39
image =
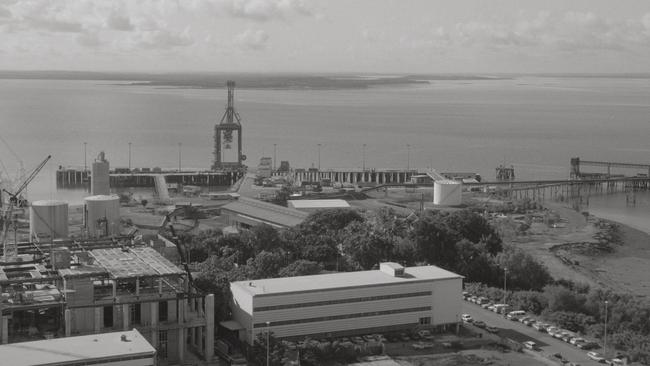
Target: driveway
x,y
521,333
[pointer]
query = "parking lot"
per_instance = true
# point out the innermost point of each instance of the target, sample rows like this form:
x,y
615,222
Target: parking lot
x,y
519,332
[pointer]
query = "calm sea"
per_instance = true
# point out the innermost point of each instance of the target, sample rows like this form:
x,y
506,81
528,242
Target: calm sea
x,y
535,124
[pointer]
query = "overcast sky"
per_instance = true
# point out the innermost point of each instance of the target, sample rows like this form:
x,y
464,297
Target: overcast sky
x,y
386,36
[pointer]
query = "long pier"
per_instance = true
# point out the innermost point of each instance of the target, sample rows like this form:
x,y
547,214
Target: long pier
x,y
376,176
79,178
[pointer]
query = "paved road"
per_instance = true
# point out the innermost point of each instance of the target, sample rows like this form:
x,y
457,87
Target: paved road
x,y
521,332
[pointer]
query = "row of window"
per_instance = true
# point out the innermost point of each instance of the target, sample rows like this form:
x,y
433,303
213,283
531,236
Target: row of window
x,y
135,314
343,316
341,301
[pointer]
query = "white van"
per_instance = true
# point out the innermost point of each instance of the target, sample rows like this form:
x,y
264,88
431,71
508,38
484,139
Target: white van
x,y
514,315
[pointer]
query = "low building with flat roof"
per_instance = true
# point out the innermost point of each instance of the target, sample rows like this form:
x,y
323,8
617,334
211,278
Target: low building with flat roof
x,y
247,212
126,348
314,205
347,303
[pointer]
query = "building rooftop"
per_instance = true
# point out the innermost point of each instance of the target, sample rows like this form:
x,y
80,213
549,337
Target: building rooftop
x,y
135,262
333,281
265,212
64,351
304,204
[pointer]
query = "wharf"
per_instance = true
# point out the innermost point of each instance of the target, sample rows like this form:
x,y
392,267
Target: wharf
x,y
119,178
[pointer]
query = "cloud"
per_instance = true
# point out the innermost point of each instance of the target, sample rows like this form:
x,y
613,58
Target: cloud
x,y
162,39
252,39
119,22
570,32
4,12
264,10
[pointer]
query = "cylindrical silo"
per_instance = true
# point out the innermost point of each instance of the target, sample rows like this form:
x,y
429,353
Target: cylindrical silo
x,y
48,219
102,215
447,192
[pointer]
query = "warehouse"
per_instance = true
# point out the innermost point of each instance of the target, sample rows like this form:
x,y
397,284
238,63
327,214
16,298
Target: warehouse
x,y
340,304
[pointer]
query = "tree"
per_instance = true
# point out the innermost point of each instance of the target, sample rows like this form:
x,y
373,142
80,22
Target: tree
x,y
300,267
275,349
524,272
366,246
265,265
435,243
475,228
322,221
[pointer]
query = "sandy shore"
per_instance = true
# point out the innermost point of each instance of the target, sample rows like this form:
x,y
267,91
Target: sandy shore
x,y
623,269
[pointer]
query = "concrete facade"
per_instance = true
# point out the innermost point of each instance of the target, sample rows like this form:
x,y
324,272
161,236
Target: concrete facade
x,y
348,303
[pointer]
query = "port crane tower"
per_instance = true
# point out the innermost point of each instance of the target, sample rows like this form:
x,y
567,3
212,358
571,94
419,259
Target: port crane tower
x,y
10,250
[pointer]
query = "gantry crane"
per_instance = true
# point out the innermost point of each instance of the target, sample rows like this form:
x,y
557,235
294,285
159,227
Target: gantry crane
x,y
10,251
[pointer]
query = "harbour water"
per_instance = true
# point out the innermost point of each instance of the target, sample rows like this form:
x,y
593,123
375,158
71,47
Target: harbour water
x,y
534,123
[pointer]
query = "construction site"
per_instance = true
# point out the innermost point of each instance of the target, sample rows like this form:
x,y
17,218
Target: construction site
x,y
61,279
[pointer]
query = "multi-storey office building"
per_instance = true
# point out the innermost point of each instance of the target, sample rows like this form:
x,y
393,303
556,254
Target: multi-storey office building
x,y
339,304
104,286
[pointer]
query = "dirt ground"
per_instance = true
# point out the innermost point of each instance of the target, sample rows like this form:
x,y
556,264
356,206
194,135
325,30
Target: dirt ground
x,y
474,358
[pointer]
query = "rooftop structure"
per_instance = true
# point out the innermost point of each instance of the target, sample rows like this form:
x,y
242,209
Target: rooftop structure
x,y
115,348
312,205
250,212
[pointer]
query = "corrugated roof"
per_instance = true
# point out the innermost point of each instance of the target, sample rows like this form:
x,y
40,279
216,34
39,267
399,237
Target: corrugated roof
x,y
266,212
135,262
342,280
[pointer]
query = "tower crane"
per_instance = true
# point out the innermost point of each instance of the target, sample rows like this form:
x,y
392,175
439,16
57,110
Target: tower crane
x,y
10,251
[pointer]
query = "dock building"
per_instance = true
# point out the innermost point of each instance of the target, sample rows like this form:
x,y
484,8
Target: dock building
x,y
247,212
100,286
341,304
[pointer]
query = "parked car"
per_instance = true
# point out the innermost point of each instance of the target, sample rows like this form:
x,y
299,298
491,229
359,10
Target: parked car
x,y
425,334
486,305
492,329
357,340
615,362
576,340
529,322
422,345
404,337
540,326
479,323
596,356
466,318
515,315
588,345
530,345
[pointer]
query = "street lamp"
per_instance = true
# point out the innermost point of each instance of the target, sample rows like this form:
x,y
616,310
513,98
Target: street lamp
x,y
505,276
408,157
268,346
605,338
129,157
364,158
179,156
319,145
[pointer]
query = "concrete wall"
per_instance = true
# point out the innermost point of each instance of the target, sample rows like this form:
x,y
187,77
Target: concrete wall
x,y
444,302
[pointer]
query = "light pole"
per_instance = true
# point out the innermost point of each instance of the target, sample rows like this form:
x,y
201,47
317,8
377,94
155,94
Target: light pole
x,y
268,346
605,338
364,158
274,151
408,157
505,276
319,157
179,156
129,157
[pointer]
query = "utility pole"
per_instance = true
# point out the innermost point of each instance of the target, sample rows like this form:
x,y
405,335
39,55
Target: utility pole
x,y
129,157
605,337
364,158
268,346
505,276
408,157
319,145
179,156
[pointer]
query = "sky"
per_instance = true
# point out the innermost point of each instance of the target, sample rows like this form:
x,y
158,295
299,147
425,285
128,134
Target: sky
x,y
358,36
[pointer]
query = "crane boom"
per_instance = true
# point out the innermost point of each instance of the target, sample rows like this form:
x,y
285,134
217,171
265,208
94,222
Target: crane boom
x,y
11,251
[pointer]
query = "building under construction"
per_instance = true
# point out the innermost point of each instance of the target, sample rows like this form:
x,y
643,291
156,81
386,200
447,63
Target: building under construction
x,y
70,287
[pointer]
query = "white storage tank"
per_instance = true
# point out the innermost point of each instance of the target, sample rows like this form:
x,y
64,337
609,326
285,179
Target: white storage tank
x,y
102,215
447,192
48,219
